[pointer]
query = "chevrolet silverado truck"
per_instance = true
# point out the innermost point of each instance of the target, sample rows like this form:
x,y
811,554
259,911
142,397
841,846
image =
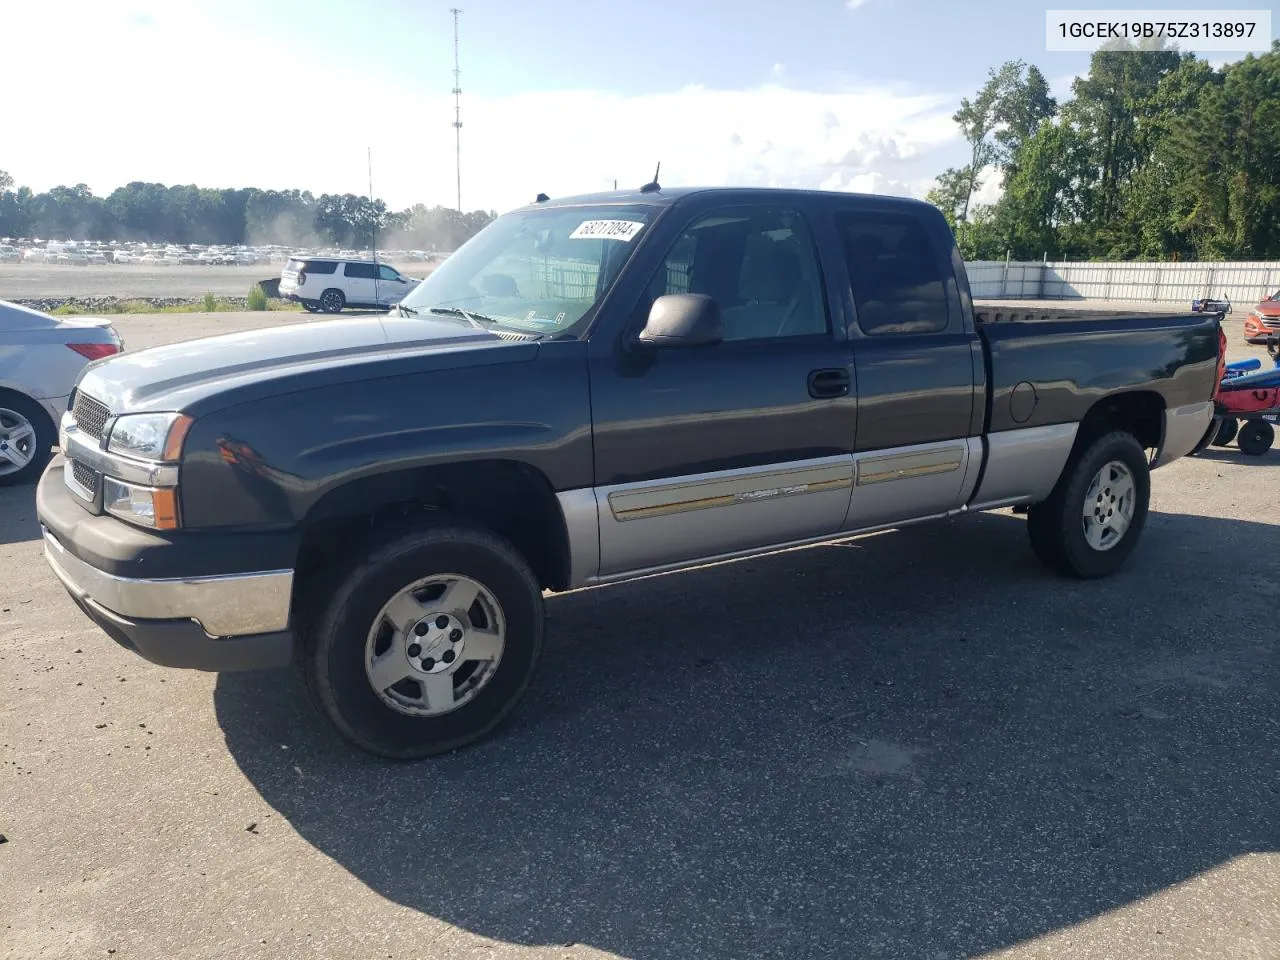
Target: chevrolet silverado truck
x,y
591,389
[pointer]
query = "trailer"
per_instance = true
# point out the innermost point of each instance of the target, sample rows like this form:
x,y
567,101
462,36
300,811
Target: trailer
x,y
1248,405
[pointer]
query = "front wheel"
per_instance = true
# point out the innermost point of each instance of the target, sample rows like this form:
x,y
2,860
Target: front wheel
x,y
428,644
1094,517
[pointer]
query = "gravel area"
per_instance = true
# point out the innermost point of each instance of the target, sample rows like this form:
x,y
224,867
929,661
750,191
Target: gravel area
x,y
914,745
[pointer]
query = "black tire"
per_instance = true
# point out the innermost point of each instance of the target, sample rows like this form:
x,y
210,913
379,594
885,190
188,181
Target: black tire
x,y
1226,432
41,445
1055,525
1255,437
333,652
332,301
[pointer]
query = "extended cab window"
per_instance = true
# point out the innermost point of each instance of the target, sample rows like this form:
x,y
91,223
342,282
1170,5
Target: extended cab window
x,y
360,271
895,272
759,266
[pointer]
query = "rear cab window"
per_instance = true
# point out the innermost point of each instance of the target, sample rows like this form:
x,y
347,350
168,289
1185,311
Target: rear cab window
x,y
896,272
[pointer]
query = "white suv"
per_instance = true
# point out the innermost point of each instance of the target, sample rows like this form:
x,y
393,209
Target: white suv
x,y
329,284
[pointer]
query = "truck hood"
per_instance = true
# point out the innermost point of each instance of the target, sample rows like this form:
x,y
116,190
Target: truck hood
x,y
179,375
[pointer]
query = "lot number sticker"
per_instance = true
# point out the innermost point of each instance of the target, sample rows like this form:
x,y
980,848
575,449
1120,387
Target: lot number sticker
x,y
606,230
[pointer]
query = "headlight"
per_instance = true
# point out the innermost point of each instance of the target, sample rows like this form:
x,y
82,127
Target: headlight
x,y
148,506
150,436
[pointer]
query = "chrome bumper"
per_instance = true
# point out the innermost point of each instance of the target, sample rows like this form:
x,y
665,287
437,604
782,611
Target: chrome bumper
x,y
224,606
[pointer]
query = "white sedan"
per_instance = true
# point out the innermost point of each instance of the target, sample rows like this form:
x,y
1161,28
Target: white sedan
x,y
40,358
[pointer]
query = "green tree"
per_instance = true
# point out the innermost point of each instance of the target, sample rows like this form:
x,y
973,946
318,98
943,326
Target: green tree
x,y
951,193
977,119
1115,112
1024,103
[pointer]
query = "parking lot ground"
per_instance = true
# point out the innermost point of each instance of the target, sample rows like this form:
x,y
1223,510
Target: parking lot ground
x,y
916,744
33,281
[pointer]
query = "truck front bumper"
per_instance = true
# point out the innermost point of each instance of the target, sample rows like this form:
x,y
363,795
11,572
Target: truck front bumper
x,y
209,621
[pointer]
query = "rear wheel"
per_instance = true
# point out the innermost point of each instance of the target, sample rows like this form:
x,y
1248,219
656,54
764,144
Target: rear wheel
x,y
332,301
428,644
1094,517
1226,432
1255,437
27,437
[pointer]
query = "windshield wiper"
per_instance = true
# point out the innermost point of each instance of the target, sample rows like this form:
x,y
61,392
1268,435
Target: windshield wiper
x,y
406,311
472,318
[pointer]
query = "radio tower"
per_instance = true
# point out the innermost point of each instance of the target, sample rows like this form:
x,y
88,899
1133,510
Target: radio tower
x,y
457,106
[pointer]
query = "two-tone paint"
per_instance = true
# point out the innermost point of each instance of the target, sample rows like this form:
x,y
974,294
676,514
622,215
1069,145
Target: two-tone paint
x,y
656,459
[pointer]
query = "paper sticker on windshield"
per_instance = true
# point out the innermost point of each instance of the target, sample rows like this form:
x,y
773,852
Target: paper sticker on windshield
x,y
606,230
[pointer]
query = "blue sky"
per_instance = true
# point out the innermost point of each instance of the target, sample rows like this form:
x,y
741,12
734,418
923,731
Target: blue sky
x,y
559,95
639,47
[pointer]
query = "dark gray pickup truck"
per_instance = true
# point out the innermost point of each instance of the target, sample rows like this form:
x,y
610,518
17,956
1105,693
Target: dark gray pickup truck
x,y
591,389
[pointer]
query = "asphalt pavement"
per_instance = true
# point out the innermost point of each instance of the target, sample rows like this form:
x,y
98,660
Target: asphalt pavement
x,y
916,744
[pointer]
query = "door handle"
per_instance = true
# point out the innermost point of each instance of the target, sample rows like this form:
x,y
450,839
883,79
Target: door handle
x,y
829,383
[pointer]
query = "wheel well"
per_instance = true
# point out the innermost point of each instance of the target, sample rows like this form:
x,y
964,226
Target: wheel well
x,y
1140,413
509,498
36,404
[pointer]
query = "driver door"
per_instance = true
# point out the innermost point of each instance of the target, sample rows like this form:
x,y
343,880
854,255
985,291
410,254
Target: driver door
x,y
708,451
392,286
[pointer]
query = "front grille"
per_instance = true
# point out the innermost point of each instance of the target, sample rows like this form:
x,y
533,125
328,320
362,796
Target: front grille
x,y
90,415
1272,322
83,474
81,480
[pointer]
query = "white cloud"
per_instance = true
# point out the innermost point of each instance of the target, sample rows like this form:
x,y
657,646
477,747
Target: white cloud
x,y
855,4
1060,87
104,117
991,189
779,70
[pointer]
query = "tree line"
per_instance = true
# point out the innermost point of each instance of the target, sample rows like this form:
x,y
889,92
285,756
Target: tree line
x,y
1154,156
156,213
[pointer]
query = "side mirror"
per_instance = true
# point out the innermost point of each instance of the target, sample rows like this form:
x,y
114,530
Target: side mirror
x,y
683,320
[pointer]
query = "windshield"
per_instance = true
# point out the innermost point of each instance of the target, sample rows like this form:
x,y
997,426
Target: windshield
x,y
537,271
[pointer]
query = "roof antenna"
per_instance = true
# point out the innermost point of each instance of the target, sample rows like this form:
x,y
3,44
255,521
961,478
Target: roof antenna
x,y
653,186
541,198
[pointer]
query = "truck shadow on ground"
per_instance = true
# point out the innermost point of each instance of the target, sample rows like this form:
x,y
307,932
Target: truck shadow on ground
x,y
910,745
18,507
1233,455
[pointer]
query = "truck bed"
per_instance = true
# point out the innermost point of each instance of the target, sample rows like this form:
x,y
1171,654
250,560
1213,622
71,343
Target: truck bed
x,y
1005,311
1059,362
